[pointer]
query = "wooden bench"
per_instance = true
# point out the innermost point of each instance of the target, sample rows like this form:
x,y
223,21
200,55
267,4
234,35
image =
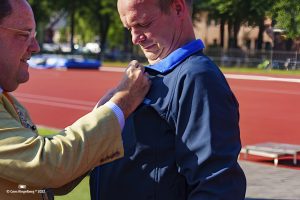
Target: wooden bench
x,y
272,150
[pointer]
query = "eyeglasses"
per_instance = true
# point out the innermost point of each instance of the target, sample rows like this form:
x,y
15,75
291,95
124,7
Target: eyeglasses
x,y
29,35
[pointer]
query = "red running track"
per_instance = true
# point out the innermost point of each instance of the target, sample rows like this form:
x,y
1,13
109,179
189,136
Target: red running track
x,y
57,98
270,110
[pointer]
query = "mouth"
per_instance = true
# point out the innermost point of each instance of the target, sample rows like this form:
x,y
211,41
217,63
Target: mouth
x,y
24,60
147,48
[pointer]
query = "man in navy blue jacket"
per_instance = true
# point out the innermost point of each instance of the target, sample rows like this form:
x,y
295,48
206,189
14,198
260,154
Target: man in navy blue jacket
x,y
182,143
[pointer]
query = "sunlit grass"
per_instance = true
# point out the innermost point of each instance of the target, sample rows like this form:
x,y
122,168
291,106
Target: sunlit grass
x,y
47,131
81,192
247,70
259,71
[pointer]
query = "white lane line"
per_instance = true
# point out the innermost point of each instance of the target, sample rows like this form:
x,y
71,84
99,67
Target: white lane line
x,y
261,78
229,76
55,104
55,101
113,69
274,91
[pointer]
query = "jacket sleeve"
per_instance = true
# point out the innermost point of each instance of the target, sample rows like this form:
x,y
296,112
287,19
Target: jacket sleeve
x,y
53,161
207,137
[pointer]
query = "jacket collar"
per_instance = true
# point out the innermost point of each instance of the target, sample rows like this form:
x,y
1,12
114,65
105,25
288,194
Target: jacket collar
x,y
176,57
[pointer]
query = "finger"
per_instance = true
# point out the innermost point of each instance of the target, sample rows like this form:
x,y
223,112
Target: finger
x,y
142,68
132,66
134,63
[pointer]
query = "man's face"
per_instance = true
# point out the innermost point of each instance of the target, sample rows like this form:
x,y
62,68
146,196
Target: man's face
x,y
16,46
156,32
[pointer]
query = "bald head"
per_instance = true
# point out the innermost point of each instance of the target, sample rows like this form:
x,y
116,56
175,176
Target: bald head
x,y
164,5
9,6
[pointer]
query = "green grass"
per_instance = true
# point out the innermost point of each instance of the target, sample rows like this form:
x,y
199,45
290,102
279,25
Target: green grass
x,y
259,71
117,64
47,131
82,191
226,69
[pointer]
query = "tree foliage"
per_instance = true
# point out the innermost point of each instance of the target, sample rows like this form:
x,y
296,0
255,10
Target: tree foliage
x,y
235,13
99,19
287,16
91,19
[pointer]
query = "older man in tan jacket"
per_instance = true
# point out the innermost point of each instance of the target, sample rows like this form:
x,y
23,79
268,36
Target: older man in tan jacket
x,y
31,164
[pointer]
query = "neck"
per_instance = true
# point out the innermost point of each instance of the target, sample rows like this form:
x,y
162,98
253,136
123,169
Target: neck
x,y
187,35
188,31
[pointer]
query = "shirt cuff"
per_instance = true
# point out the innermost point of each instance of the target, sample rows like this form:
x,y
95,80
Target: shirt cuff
x,y
118,112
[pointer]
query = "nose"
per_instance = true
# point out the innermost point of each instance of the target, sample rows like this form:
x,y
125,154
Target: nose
x,y
34,46
137,36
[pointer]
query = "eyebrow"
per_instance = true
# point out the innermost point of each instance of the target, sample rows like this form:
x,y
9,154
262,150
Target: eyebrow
x,y
141,21
28,29
15,29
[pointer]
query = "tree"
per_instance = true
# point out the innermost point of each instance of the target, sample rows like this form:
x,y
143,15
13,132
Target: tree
x,y
71,7
257,13
103,14
42,10
100,18
235,13
287,16
226,11
207,5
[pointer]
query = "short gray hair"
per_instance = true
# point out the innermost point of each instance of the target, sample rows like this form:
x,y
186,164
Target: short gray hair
x,y
5,9
165,4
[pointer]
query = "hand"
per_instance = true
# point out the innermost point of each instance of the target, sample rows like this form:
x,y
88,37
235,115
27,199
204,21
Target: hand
x,y
106,98
132,89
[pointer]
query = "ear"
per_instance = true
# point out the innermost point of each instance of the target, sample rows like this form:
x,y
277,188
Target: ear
x,y
180,7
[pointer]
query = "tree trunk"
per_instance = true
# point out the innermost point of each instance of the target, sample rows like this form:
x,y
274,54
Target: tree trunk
x,y
222,32
104,21
260,34
72,24
236,29
128,46
229,42
104,30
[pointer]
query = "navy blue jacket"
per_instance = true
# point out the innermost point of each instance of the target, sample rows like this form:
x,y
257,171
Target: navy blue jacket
x,y
183,142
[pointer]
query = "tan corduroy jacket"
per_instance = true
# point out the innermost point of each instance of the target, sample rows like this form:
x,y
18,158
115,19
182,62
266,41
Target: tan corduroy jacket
x,y
30,163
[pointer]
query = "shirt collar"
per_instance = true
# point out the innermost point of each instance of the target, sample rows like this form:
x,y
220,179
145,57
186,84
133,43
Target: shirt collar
x,y
177,56
1,90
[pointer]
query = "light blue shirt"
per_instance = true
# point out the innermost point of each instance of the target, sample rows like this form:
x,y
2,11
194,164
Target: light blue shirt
x,y
1,90
118,112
